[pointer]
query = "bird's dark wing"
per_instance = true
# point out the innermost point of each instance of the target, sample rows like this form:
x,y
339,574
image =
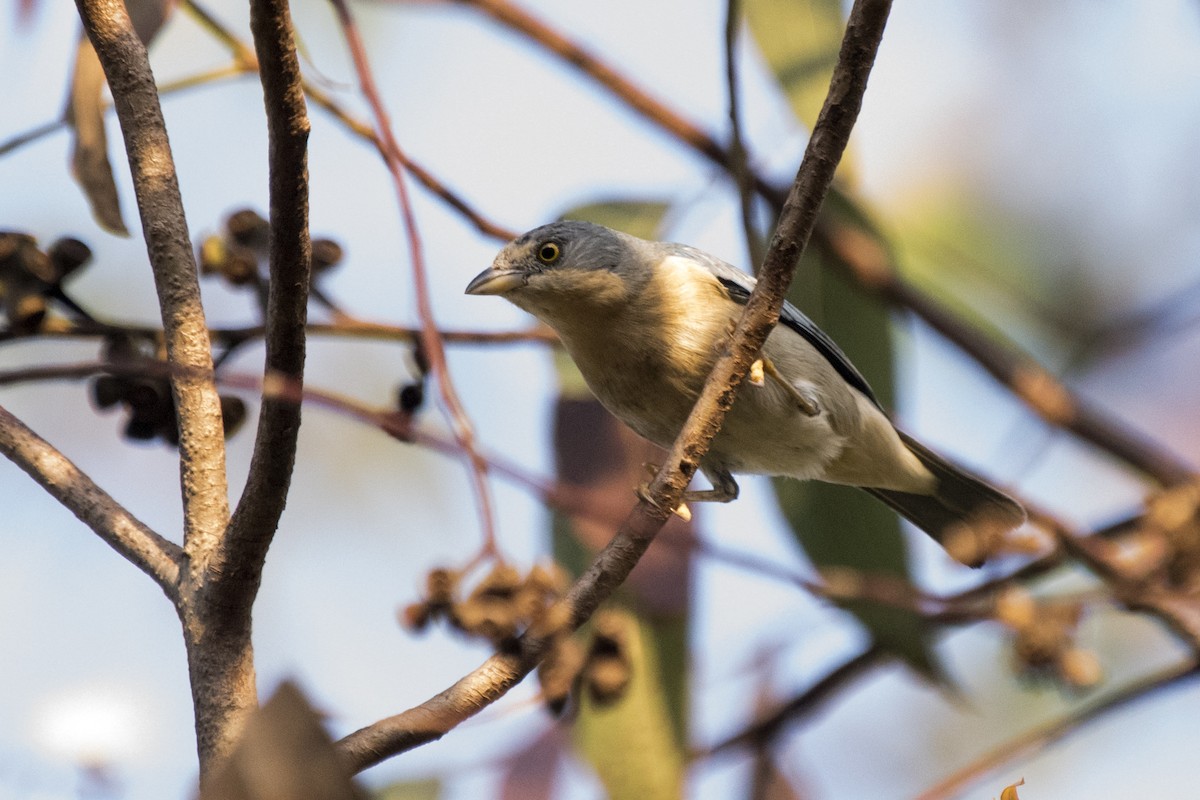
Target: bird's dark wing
x,y
739,285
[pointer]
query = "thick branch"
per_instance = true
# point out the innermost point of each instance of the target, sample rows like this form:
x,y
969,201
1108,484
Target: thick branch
x,y
54,472
239,561
201,435
503,671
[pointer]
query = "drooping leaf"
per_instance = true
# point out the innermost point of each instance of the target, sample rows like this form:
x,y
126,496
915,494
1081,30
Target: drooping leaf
x,y
839,526
89,156
799,40
85,114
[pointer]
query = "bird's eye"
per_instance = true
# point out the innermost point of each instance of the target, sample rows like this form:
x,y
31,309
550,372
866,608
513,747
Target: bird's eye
x,y
548,252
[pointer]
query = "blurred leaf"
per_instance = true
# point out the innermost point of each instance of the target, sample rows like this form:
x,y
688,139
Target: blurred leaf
x,y
635,217
89,158
800,42
284,753
594,451
840,526
631,742
425,789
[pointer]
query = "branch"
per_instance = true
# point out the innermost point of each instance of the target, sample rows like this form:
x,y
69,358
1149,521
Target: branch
x,y
152,554
739,158
766,729
865,260
502,671
201,436
1038,738
238,564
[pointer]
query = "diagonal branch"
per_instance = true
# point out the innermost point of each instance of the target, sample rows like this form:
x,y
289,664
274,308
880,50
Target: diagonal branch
x,y
502,671
201,434
1038,738
863,257
152,554
242,552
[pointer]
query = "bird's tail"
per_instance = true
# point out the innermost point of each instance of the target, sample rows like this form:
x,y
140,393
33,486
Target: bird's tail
x,y
964,515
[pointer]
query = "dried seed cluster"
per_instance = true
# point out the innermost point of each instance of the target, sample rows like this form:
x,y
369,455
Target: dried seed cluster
x,y
1044,638
147,398
31,277
238,253
1165,548
505,604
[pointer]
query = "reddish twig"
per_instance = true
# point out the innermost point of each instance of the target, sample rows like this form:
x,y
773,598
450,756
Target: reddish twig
x,y
431,341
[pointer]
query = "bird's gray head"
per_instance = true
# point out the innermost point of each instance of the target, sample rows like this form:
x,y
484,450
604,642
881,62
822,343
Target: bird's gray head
x,y
568,263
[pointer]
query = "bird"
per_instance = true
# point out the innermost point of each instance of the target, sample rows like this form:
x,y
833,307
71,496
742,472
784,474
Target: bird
x,y
645,321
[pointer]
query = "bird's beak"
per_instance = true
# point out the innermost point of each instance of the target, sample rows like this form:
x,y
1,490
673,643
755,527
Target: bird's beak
x,y
496,281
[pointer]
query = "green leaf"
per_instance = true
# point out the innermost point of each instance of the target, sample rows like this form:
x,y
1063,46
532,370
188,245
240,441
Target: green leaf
x,y
839,526
631,742
799,41
423,789
636,217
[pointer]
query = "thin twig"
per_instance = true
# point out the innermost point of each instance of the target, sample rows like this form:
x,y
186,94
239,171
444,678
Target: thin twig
x,y
502,671
363,130
807,702
431,341
152,554
1038,738
353,328
172,259
737,144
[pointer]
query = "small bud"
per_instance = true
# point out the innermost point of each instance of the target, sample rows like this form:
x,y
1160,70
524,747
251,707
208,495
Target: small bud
x,y
415,616
248,228
607,679
68,255
141,428
1080,668
411,397
558,672
1015,607
608,670
233,414
441,586
326,253
108,390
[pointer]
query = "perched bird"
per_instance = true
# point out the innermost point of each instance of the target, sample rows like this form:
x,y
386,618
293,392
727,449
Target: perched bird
x,y
645,322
